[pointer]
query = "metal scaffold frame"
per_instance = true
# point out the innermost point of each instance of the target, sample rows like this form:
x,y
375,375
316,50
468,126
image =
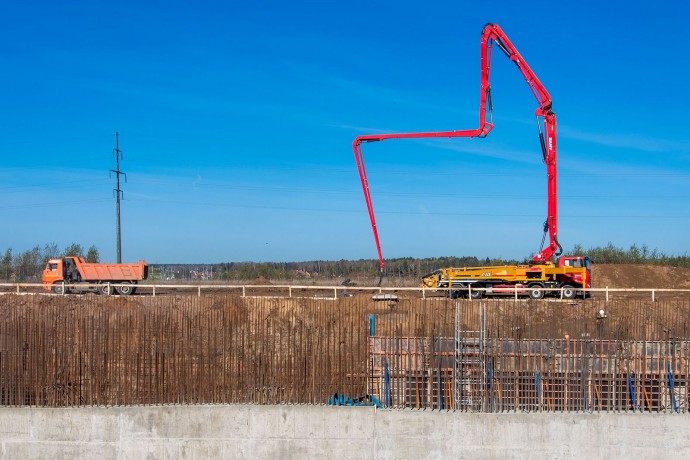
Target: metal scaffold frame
x,y
469,364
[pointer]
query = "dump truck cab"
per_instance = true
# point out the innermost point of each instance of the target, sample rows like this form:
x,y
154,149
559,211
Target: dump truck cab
x,y
59,270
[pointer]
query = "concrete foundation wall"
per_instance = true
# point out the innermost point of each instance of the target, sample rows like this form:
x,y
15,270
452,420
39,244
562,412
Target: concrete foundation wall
x,y
298,432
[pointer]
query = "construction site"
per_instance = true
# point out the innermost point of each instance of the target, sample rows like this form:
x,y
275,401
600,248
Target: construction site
x,y
553,335
539,336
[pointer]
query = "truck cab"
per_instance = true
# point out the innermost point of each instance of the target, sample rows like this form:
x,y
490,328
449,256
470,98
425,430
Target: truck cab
x,y
577,277
52,273
60,270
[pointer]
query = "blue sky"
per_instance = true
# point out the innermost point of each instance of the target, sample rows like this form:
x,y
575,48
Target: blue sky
x,y
236,123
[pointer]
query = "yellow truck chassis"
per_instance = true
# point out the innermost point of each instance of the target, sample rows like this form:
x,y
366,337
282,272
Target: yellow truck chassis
x,y
536,281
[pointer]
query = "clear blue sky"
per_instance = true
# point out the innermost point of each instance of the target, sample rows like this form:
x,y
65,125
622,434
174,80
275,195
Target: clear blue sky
x,y
236,123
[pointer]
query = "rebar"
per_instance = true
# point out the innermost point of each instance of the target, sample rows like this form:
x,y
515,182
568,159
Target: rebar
x,y
62,351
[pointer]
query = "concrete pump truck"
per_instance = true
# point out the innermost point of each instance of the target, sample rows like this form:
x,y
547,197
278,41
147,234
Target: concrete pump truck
x,y
566,276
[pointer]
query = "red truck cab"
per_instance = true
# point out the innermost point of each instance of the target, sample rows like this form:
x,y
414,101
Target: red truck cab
x,y
583,277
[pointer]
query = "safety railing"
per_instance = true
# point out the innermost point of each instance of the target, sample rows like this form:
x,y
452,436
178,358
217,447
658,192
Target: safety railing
x,y
334,292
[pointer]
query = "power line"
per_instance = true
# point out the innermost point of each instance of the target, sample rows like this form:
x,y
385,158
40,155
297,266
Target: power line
x,y
303,190
51,185
53,204
346,211
311,191
416,213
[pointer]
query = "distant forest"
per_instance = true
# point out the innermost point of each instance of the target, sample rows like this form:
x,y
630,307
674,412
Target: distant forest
x,y
27,266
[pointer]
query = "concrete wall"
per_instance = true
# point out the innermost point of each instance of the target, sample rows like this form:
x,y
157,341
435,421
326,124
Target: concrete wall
x,y
298,432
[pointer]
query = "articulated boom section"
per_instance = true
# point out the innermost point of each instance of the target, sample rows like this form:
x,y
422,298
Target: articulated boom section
x,y
490,34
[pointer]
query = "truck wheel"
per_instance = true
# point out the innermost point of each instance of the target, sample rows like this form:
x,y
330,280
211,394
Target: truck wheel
x,y
125,289
59,288
569,292
535,291
105,289
476,293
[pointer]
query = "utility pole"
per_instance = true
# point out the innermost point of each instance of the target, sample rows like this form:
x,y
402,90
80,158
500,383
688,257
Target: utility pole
x,y
117,153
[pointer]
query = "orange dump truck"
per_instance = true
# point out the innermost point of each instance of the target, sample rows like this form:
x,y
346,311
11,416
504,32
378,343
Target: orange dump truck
x,y
74,274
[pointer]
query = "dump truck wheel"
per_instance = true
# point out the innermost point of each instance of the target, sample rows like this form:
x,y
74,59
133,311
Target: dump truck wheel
x,y
105,289
535,291
59,288
125,289
569,292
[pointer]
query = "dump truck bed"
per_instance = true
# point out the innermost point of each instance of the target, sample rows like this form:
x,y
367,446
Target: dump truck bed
x,y
113,272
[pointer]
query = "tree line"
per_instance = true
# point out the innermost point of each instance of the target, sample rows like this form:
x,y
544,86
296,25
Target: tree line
x,y
611,254
404,267
27,266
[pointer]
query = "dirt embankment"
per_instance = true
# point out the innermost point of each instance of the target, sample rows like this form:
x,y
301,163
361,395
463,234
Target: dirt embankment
x,y
615,276
640,276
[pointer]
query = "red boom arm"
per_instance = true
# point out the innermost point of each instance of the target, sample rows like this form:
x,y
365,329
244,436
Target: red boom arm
x,y
490,34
